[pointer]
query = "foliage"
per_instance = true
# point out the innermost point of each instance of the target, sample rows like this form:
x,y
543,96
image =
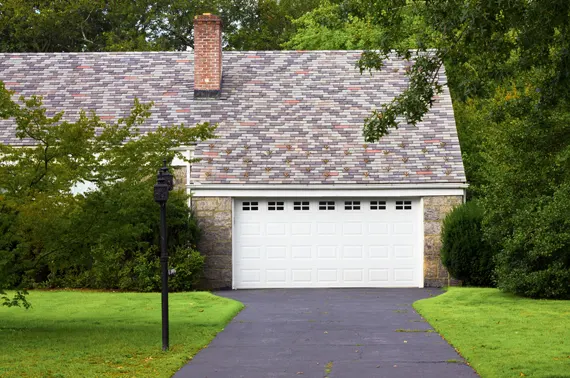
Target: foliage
x,y
46,227
352,25
120,244
526,197
329,28
189,265
269,24
465,254
472,123
143,25
94,334
509,63
484,43
501,335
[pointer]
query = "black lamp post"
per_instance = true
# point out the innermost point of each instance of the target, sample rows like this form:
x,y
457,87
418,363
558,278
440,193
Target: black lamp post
x,y
164,184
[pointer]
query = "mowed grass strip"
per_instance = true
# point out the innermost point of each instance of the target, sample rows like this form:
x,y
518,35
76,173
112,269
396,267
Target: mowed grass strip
x,y
100,334
501,335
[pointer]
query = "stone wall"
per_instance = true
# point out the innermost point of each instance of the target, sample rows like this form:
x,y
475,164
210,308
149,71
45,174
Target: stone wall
x,y
435,210
180,174
214,215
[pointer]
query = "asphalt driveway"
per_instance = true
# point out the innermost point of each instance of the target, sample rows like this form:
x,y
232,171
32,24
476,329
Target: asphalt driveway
x,y
343,333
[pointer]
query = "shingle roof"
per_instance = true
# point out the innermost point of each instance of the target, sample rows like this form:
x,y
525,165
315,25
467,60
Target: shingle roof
x,y
285,117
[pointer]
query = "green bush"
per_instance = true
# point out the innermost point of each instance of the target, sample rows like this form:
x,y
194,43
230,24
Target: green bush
x,y
141,271
117,230
535,258
189,265
465,254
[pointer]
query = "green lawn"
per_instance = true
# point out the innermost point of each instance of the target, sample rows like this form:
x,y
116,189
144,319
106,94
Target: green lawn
x,y
95,334
501,335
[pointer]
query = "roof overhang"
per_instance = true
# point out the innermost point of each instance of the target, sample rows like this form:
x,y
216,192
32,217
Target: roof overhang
x,y
340,190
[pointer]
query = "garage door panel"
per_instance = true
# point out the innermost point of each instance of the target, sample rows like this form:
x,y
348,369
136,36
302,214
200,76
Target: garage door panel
x,y
250,229
250,252
379,275
301,252
301,229
353,275
352,228
377,228
404,275
278,252
301,275
403,228
345,247
276,276
325,229
352,252
327,275
327,252
250,275
379,252
276,229
403,252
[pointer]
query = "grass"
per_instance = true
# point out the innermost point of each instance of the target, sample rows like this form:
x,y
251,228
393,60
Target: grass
x,y
501,335
95,334
328,368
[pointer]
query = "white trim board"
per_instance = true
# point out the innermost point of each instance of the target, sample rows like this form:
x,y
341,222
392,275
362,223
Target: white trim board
x,y
332,192
427,185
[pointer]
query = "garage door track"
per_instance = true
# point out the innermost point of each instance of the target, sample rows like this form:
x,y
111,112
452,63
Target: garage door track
x,y
330,333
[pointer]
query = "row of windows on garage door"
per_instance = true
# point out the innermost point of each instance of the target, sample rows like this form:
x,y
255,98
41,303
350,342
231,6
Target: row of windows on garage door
x,y
327,205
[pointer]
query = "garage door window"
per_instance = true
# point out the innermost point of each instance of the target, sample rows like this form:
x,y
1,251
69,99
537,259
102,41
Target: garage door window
x,y
250,206
277,205
403,205
301,205
377,205
326,205
352,205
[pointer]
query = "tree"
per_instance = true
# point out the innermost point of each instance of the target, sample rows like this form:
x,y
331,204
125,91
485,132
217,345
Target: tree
x,y
350,25
41,219
269,25
142,25
512,59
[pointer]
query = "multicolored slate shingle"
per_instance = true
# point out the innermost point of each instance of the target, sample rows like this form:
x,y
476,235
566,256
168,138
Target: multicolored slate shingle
x,y
285,117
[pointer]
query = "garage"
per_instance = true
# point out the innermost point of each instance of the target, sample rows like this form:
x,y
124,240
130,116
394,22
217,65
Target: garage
x,y
335,242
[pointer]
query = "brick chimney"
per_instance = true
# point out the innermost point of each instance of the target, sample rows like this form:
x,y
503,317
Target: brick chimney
x,y
207,56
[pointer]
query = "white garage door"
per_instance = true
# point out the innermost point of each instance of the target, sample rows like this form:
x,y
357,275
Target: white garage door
x,y
327,243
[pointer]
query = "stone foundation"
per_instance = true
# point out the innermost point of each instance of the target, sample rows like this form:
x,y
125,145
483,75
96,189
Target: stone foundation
x,y
214,215
435,210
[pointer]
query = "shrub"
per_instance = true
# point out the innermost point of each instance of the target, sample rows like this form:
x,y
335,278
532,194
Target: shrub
x,y
118,233
189,266
535,257
526,199
465,254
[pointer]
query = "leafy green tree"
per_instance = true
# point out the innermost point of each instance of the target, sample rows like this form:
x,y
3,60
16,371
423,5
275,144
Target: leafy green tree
x,y
484,44
42,221
269,25
142,25
526,193
512,59
352,25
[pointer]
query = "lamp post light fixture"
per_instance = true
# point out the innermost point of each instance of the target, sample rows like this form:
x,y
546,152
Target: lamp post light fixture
x,y
164,184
